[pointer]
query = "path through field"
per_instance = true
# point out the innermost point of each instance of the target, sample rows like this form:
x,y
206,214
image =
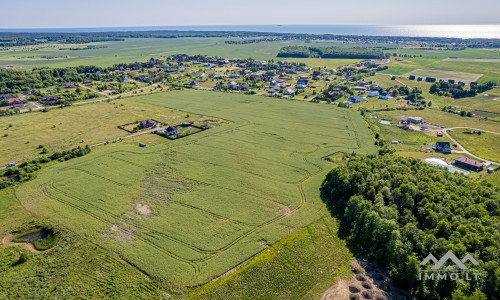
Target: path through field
x,y
216,197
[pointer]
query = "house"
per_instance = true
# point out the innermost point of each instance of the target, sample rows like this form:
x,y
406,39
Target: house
x,y
171,130
194,83
69,85
359,88
384,96
451,81
473,83
146,124
49,99
142,145
288,92
373,94
300,86
420,78
13,101
439,134
232,85
234,76
272,92
443,147
468,163
430,79
124,80
355,99
395,142
18,105
219,84
5,97
201,75
87,81
462,83
303,81
245,87
186,124
412,77
490,170
375,88
415,120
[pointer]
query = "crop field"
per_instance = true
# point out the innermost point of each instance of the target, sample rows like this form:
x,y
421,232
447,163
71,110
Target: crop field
x,y
132,50
78,125
189,210
440,74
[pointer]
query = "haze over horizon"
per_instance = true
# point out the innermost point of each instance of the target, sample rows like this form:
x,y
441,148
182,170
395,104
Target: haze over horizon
x,y
94,13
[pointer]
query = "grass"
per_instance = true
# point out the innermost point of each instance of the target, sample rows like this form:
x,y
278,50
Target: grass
x,y
214,196
485,145
440,74
300,266
63,129
132,50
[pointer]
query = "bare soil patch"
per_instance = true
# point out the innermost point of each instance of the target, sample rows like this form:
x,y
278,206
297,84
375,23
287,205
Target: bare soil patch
x,y
7,241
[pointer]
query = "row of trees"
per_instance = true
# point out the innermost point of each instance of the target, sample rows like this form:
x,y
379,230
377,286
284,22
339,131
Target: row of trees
x,y
399,210
444,88
330,52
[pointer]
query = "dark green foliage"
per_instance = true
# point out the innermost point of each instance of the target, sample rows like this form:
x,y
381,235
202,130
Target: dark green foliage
x,y
330,52
399,210
457,91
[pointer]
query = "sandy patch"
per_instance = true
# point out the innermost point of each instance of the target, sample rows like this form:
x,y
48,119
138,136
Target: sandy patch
x,y
143,209
7,241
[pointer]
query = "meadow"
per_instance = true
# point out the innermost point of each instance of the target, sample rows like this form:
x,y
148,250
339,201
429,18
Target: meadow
x,y
78,125
188,210
484,145
132,50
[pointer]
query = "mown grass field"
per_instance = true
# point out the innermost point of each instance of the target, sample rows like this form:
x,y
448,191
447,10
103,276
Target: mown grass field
x,y
485,145
440,74
79,125
213,199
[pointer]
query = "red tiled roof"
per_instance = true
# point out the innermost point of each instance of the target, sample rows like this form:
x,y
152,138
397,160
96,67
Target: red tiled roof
x,y
469,162
18,105
11,100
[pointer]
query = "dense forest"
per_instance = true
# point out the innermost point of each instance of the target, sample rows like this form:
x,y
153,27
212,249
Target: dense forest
x,y
32,38
330,52
444,88
397,211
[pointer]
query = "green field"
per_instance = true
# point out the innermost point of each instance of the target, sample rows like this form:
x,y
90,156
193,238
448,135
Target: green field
x,y
79,125
188,210
440,74
485,145
132,50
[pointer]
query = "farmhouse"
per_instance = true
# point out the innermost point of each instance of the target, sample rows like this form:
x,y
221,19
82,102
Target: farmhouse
x,y
430,79
194,83
468,163
87,81
288,92
443,147
412,77
232,85
415,120
439,134
146,124
384,96
69,85
355,99
373,94
171,130
359,88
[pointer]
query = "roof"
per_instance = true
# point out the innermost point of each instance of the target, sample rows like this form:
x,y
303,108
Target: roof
x,y
442,144
469,162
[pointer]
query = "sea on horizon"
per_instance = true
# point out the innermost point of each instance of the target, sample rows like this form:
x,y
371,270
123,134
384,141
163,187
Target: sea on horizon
x,y
447,31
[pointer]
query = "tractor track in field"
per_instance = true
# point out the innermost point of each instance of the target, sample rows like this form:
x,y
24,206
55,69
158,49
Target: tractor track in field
x,y
103,220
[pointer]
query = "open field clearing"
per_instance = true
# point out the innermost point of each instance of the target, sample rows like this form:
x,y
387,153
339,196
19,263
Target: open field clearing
x,y
490,71
485,145
440,74
188,210
486,60
132,50
446,119
315,254
63,129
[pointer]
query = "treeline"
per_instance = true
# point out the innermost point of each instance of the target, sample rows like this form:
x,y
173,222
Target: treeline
x,y
397,211
32,38
330,52
24,171
444,88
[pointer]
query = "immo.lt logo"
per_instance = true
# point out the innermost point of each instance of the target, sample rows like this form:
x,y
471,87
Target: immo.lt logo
x,y
456,268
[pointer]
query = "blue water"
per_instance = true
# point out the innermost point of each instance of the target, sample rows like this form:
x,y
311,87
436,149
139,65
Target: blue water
x,y
452,31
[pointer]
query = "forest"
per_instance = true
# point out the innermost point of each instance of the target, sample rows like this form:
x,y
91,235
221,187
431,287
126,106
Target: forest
x,y
330,52
8,39
396,211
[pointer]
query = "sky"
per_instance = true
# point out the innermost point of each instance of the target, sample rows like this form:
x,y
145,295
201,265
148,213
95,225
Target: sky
x,y
124,13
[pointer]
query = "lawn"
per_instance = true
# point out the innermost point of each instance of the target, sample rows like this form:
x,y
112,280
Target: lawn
x,y
63,129
441,74
188,210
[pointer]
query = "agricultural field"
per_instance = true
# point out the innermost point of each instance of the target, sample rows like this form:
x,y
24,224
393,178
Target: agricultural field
x,y
440,74
187,211
109,53
78,125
